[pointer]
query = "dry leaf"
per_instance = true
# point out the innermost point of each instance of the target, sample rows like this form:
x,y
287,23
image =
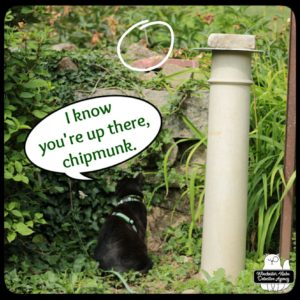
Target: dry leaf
x,y
112,24
143,43
49,8
200,55
55,16
21,25
96,38
208,18
177,52
67,9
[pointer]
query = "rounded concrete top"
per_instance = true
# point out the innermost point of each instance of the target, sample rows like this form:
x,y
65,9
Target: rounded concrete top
x,y
233,42
229,41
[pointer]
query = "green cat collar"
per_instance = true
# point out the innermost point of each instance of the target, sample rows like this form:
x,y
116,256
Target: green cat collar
x,y
126,219
130,198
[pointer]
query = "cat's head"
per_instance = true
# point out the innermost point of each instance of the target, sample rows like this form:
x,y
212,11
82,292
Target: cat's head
x,y
130,186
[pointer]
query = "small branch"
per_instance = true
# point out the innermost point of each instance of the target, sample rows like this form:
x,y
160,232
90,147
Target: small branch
x,y
100,67
95,87
70,193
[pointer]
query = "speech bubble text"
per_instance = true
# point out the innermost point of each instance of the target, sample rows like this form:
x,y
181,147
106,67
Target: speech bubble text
x,y
93,134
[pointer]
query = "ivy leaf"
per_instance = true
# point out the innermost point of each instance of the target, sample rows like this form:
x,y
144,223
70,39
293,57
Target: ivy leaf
x,y
29,223
24,126
26,10
8,175
17,177
8,86
25,179
35,83
7,225
21,177
38,215
39,114
18,166
16,213
23,229
26,95
7,136
11,205
59,189
21,137
38,239
11,236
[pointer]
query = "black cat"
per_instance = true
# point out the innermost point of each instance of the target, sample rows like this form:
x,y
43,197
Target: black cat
x,y
121,242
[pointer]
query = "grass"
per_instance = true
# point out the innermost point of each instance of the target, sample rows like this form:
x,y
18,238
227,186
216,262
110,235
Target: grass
x,y
173,272
267,184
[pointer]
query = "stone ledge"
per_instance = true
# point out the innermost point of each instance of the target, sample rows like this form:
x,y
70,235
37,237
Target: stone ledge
x,y
195,108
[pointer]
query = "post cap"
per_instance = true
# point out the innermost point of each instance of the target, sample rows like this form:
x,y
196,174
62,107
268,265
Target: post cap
x,y
231,41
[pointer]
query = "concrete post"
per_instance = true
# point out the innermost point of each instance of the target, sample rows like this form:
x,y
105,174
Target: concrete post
x,y
225,204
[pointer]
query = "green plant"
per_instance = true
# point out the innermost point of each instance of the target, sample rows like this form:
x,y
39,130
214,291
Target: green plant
x,y
185,240
267,185
194,179
26,98
15,221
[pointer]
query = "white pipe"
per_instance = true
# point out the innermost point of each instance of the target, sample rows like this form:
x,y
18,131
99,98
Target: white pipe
x,y
225,205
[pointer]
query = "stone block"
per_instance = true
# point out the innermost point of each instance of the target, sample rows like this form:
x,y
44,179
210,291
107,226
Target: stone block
x,y
231,41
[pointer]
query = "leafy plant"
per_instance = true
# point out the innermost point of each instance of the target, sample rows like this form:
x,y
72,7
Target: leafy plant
x,y
179,238
267,184
25,100
15,221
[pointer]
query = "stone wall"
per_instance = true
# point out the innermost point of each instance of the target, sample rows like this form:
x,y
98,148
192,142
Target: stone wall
x,y
196,109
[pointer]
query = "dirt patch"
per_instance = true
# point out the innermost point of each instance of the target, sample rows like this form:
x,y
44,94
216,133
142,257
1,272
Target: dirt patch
x,y
158,220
